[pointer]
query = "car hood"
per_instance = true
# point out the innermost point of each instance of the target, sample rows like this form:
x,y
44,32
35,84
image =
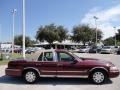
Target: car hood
x,y
93,61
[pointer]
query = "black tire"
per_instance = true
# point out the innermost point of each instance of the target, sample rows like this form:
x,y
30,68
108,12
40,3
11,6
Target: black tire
x,y
30,76
98,76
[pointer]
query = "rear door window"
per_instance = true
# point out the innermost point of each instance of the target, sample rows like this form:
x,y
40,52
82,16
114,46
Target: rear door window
x,y
48,56
40,57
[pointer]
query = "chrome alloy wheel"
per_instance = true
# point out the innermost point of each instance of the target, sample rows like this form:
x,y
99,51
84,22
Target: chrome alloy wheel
x,y
98,77
30,76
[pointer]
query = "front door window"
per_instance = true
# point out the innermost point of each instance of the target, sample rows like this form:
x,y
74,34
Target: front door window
x,y
64,57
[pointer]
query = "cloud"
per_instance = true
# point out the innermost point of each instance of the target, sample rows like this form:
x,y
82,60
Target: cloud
x,y
107,18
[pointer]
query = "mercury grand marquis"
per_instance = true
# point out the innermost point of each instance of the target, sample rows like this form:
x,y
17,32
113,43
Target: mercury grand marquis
x,y
61,63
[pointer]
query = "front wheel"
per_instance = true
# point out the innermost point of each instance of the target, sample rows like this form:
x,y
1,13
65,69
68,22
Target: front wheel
x,y
30,76
98,77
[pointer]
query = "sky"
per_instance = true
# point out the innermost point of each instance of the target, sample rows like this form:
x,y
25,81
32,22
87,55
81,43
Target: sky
x,y
68,13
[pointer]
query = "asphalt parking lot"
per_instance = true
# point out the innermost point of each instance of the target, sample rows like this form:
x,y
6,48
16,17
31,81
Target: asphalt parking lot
x,y
8,83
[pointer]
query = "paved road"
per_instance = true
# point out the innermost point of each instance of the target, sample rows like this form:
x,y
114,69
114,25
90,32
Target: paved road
x,y
8,83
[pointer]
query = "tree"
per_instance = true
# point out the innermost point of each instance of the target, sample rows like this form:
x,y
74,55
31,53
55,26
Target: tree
x,y
109,41
19,40
118,35
33,42
93,35
51,33
81,33
62,33
85,34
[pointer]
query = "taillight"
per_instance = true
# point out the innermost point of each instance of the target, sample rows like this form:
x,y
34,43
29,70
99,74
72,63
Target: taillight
x,y
11,65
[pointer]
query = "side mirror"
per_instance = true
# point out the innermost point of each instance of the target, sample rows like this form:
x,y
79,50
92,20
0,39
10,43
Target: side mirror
x,y
73,62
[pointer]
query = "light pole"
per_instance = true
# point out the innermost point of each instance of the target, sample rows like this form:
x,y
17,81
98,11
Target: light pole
x,y
96,18
115,35
13,13
23,3
0,37
0,43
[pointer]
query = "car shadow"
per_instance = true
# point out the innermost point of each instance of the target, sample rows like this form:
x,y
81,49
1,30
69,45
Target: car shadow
x,y
49,81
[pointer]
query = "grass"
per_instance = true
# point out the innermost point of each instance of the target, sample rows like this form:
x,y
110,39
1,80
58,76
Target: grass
x,y
4,62
14,56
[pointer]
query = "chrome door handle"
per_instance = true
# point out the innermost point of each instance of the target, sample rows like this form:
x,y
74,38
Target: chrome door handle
x,y
59,64
38,64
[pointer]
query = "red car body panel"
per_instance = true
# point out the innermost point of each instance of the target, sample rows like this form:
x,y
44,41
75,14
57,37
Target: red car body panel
x,y
82,67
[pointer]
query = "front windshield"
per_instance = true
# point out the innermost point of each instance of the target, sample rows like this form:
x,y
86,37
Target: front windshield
x,y
76,56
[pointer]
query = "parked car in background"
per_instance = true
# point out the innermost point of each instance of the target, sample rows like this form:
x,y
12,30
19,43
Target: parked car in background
x,y
84,49
108,49
5,50
32,50
118,51
74,50
95,49
61,63
28,51
116,48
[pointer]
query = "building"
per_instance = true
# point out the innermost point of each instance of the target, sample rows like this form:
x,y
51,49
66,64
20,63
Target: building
x,y
67,44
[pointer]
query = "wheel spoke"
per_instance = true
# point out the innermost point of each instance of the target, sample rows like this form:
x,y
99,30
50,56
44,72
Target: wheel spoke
x,y
98,77
30,76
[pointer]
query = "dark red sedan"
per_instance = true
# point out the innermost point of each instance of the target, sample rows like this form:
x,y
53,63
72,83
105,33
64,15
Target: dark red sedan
x,y
61,63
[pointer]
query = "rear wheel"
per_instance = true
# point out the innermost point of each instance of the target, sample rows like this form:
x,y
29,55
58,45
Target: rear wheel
x,y
98,76
30,76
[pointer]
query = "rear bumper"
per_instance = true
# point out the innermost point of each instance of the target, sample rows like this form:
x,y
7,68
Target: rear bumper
x,y
114,74
13,72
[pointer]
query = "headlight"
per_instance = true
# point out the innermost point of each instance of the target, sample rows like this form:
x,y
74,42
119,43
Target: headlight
x,y
113,68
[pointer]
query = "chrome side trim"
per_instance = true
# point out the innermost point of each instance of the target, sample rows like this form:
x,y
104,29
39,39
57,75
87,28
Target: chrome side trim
x,y
64,71
74,71
47,71
74,76
65,76
13,69
98,68
33,69
48,75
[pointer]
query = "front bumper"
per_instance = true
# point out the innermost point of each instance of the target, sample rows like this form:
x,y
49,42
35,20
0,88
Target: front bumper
x,y
13,72
114,73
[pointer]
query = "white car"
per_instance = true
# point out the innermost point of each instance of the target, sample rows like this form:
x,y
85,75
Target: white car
x,y
84,49
108,49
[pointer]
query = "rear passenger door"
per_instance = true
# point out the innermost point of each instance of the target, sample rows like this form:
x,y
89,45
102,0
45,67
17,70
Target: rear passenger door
x,y
47,63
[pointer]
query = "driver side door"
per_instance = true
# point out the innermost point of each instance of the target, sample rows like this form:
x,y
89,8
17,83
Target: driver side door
x,y
66,65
